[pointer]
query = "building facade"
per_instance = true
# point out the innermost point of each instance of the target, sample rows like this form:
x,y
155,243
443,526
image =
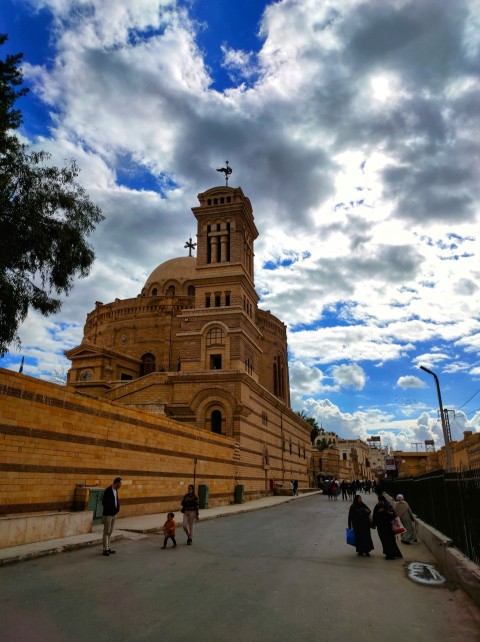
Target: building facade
x,y
195,347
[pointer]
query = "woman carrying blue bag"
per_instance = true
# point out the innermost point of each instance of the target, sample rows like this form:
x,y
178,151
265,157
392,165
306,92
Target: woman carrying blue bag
x,y
359,521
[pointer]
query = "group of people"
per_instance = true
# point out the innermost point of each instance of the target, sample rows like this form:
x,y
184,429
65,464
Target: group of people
x,y
362,521
348,488
111,505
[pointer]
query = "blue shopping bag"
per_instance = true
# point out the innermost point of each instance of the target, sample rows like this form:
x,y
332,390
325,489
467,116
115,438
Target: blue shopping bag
x,y
350,537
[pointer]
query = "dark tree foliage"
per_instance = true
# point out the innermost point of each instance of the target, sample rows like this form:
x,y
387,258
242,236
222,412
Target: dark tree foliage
x,y
45,216
315,431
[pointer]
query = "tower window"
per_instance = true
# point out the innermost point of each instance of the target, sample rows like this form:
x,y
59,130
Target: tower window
x,y
227,299
209,202
222,201
207,300
215,201
154,292
191,290
217,301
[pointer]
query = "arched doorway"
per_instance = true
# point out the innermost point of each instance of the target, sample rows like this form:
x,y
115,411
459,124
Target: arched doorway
x,y
148,364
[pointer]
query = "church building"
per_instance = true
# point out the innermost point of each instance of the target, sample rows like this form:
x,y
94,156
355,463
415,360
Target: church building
x,y
195,347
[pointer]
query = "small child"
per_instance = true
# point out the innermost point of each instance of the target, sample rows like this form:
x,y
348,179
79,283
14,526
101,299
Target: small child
x,y
169,530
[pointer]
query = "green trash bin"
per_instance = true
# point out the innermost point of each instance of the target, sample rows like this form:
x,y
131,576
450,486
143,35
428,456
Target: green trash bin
x,y
239,493
203,492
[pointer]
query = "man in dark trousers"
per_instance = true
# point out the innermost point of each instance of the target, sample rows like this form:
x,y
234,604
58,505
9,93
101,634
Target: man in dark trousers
x,y
111,506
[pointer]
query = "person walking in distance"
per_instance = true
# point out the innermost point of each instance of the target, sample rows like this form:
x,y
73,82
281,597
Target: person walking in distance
x,y
169,529
111,506
334,489
190,507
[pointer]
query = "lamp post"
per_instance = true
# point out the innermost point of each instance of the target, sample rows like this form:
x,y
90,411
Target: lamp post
x,y
195,471
446,438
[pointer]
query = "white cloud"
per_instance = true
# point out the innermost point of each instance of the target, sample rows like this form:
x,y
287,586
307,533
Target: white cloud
x,y
410,381
349,376
356,141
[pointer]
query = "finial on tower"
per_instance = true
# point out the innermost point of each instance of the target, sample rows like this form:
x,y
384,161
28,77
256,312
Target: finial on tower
x,y
227,171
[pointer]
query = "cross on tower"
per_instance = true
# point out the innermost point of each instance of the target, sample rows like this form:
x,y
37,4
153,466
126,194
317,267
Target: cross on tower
x,y
191,246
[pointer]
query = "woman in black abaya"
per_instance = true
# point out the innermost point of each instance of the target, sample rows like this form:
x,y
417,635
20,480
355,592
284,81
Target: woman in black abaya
x,y
359,520
383,514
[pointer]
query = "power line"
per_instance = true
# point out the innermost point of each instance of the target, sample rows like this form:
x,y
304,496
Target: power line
x,y
472,413
474,395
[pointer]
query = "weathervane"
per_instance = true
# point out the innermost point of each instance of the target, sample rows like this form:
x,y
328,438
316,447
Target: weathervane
x,y
227,171
191,246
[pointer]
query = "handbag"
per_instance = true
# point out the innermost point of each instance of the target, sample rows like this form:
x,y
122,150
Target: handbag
x,y
397,526
351,539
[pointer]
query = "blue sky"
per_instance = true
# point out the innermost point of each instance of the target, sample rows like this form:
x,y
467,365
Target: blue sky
x,y
353,128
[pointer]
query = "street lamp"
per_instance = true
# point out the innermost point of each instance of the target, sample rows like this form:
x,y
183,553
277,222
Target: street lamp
x,y
446,437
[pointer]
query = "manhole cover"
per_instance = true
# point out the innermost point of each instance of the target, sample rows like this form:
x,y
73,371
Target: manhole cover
x,y
425,574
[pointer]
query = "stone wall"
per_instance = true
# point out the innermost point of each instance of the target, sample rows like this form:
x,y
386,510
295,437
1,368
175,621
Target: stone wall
x,y
52,439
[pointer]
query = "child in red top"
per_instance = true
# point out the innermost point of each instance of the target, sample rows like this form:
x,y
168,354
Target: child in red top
x,y
169,529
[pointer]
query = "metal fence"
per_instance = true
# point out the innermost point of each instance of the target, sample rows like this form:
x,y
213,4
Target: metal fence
x,y
450,502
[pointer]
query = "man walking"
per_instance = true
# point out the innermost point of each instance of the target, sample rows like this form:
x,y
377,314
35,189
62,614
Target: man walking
x,y
111,506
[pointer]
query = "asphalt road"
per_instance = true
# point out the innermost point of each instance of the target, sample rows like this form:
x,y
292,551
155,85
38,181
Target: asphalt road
x,y
280,574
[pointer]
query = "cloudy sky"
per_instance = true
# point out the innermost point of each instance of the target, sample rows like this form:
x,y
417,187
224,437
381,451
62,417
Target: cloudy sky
x,y
352,126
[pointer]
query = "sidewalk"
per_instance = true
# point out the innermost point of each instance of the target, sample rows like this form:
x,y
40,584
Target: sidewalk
x,y
127,527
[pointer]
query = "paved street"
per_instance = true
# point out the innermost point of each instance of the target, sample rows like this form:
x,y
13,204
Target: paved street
x,y
277,574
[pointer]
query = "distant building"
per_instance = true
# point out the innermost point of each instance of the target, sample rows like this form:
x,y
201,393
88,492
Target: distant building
x,y
357,451
465,454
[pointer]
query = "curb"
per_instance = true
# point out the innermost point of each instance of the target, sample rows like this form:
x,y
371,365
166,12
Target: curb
x,y
60,548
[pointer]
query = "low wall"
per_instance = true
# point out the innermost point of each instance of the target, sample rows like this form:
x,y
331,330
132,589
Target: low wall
x,y
16,530
53,439
451,562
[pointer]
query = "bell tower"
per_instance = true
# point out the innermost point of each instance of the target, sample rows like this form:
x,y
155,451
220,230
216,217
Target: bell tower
x,y
226,232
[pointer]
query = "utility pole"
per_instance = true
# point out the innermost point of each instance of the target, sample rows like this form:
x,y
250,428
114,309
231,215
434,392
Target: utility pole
x,y
446,431
447,422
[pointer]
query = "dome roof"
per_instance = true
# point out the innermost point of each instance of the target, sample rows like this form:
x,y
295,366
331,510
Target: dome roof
x,y
181,269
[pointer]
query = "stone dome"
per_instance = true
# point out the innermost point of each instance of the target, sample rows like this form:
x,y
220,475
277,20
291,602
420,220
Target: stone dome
x,y
181,269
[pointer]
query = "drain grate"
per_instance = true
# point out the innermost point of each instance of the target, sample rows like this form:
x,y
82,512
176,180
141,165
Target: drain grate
x,y
425,574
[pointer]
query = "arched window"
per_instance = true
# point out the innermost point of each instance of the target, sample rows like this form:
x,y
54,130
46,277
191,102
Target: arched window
x,y
216,422
191,290
279,377
148,364
216,337
154,292
275,379
170,290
